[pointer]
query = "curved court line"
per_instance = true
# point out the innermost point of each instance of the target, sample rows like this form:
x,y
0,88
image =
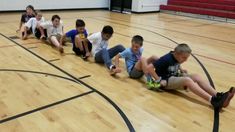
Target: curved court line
x,y
174,31
167,39
44,107
42,73
204,69
216,113
122,114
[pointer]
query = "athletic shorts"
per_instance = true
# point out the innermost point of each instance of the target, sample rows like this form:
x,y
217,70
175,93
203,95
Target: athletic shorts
x,y
135,74
77,51
176,82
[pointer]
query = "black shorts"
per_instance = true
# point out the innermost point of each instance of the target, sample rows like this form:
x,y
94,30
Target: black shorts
x,y
28,31
38,33
77,51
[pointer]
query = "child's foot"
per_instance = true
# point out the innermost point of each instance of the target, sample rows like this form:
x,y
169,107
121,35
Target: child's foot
x,y
114,70
230,93
152,85
61,50
219,100
43,37
88,54
24,37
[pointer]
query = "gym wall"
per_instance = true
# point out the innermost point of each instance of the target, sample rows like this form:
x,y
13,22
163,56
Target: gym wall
x,y
17,5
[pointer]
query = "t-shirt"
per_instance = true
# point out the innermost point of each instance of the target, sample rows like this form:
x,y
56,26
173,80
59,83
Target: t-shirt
x,y
130,57
97,42
51,30
74,32
33,23
25,17
166,66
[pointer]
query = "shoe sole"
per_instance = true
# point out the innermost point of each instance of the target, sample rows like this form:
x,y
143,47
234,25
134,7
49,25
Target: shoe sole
x,y
230,96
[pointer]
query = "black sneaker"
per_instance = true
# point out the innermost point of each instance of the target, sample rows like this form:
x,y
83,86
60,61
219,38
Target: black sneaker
x,y
230,93
218,101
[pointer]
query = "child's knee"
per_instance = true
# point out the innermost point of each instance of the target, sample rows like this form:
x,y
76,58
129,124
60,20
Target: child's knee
x,y
120,47
195,77
187,81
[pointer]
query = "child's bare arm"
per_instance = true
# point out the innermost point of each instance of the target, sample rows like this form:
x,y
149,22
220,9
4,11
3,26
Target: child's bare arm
x,y
117,60
21,23
183,70
62,39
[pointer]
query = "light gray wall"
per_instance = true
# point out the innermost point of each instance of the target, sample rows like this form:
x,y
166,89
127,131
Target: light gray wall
x,y
8,5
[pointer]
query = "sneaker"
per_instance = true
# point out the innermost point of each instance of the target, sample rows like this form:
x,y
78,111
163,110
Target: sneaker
x,y
152,85
219,100
230,96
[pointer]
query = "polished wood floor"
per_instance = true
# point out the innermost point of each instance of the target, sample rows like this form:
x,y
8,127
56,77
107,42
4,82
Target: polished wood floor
x,y
62,93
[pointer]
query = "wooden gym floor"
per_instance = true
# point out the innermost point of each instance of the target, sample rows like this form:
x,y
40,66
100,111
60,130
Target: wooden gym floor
x,y
43,91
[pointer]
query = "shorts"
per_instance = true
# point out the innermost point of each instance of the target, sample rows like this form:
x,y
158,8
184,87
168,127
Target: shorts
x,y
176,82
37,33
77,51
135,74
58,37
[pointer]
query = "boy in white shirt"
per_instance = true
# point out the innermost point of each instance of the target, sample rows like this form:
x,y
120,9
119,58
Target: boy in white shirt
x,y
33,24
100,49
54,30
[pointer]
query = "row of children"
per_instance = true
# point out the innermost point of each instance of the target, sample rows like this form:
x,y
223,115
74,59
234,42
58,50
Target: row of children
x,y
164,72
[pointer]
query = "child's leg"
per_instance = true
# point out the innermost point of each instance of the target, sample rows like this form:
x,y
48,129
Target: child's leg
x,y
42,31
105,56
152,59
55,42
181,82
141,65
115,50
24,32
78,43
203,84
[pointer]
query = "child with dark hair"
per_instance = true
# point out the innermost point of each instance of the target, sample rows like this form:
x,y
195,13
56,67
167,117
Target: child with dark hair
x,y
78,37
26,16
33,24
54,30
100,49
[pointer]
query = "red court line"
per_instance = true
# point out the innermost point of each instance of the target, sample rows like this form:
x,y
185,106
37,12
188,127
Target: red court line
x,y
215,59
210,58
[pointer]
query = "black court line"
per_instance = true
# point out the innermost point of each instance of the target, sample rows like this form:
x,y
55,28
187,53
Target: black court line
x,y
158,28
14,37
121,113
44,107
216,114
32,47
53,60
44,73
84,77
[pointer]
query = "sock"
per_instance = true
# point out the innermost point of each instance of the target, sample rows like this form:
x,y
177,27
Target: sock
x,y
149,78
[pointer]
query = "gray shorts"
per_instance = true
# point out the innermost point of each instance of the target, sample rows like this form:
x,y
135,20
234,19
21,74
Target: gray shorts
x,y
176,82
135,74
58,36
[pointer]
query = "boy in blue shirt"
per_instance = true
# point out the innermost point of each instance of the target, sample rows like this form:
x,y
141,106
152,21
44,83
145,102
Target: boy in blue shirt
x,y
168,69
135,64
78,37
